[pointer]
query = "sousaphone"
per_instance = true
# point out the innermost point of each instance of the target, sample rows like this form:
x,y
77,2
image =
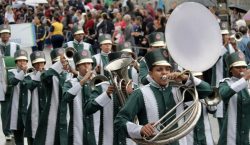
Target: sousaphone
x,y
194,42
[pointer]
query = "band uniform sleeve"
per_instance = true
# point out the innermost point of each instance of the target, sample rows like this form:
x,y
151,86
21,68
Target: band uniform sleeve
x,y
91,106
227,91
124,121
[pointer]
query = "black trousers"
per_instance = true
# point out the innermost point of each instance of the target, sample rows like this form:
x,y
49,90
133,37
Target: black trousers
x,y
5,111
57,41
19,138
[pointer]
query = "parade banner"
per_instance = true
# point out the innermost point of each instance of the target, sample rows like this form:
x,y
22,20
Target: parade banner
x,y
23,34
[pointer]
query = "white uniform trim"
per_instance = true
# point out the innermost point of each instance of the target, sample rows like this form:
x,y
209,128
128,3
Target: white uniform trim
x,y
75,88
77,115
239,85
207,126
15,103
34,112
99,62
12,48
232,113
57,67
96,120
134,130
19,75
150,104
86,46
108,112
52,118
103,99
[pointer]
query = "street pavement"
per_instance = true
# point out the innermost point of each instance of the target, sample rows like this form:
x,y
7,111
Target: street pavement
x,y
215,128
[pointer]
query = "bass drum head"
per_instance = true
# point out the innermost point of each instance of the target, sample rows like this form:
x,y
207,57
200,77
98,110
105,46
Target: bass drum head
x,y
193,37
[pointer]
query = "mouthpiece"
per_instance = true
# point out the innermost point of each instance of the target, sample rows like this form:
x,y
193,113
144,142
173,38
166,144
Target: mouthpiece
x,y
164,77
242,73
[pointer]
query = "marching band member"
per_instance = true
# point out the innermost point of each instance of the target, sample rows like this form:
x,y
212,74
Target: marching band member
x,y
38,99
156,40
202,134
48,128
235,94
101,59
105,99
7,48
78,43
19,96
133,68
220,71
150,102
82,129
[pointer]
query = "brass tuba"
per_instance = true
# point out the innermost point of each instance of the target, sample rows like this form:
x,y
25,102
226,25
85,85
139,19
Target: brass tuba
x,y
118,73
189,49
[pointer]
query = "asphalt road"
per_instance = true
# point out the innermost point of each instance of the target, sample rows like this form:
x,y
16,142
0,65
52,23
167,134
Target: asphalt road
x,y
213,121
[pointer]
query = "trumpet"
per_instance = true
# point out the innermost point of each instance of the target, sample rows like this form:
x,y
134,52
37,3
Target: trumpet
x,y
69,53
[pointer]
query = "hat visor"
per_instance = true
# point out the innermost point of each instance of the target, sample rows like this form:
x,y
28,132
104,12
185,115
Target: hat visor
x,y
162,62
21,58
238,63
127,50
86,60
38,60
158,44
79,32
56,59
106,42
5,31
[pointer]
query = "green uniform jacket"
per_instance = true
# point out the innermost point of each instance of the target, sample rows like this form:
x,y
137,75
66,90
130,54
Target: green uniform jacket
x,y
18,94
37,104
109,107
143,72
48,128
202,134
149,103
81,128
9,48
236,127
79,46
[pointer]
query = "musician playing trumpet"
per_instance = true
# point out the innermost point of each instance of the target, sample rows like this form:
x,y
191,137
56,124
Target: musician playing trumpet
x,y
48,128
82,129
150,102
38,99
18,94
235,94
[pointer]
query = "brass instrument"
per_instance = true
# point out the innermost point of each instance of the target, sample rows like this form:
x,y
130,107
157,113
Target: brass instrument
x,y
69,53
237,36
172,127
118,72
213,99
96,80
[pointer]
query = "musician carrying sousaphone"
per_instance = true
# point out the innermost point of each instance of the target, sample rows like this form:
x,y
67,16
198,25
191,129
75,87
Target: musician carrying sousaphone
x,y
106,99
150,102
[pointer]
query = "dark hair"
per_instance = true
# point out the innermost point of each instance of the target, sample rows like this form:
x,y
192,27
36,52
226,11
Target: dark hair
x,y
243,30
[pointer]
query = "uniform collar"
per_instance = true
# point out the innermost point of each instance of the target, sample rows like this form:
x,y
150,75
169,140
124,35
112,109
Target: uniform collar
x,y
5,44
77,42
104,54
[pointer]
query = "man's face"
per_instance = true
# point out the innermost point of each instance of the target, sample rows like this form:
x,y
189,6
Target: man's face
x,y
226,38
106,47
78,37
39,66
21,63
237,71
5,37
83,68
157,72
